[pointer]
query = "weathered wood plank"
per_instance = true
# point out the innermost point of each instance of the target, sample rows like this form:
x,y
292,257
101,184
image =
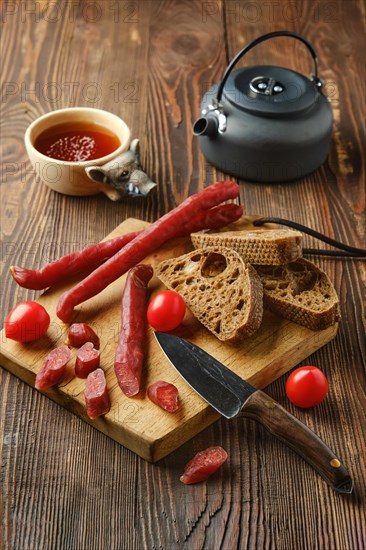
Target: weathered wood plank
x,y
80,490
334,205
88,58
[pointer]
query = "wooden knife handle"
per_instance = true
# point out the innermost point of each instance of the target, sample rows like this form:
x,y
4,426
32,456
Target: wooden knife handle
x,y
299,438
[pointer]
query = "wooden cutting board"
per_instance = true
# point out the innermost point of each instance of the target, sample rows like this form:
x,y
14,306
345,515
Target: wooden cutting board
x,y
137,423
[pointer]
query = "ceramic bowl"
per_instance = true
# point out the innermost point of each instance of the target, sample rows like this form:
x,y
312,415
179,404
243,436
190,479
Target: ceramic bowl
x,y
70,178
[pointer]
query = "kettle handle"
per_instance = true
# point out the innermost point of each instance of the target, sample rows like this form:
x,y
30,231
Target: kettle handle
x,y
257,41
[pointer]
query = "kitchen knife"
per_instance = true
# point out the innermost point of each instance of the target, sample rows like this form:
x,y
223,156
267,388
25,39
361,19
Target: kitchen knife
x,y
229,394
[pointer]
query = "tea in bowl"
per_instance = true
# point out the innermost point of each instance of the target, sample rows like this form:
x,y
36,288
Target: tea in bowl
x,y
63,144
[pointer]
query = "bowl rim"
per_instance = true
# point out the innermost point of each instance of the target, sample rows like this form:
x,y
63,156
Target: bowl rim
x,y
83,163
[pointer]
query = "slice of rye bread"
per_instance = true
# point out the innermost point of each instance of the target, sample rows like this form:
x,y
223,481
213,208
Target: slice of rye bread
x,y
223,292
301,292
256,246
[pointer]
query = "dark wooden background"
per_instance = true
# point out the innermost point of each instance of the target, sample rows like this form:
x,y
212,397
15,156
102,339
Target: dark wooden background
x,y
63,484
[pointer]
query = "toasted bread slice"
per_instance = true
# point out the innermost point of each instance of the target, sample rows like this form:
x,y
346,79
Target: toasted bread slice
x,y
301,292
257,246
223,292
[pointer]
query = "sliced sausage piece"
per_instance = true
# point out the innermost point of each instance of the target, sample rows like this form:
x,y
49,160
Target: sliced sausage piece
x,y
80,334
130,352
203,464
96,394
53,368
87,360
164,394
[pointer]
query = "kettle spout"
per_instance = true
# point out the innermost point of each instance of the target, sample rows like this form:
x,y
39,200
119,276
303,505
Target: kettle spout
x,y
206,126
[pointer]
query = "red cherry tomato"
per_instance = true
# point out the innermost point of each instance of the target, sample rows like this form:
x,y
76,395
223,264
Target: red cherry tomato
x,y
306,387
27,321
166,310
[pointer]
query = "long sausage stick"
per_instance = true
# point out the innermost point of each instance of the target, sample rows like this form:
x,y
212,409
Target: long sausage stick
x,y
150,239
81,261
87,260
129,357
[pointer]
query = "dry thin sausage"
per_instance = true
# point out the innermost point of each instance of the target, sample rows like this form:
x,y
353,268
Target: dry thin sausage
x,y
86,260
129,357
82,261
150,239
214,218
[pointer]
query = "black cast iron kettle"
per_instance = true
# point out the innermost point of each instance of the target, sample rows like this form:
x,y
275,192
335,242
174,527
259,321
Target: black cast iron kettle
x,y
266,123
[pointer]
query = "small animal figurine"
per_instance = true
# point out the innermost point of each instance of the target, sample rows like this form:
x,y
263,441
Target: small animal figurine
x,y
123,176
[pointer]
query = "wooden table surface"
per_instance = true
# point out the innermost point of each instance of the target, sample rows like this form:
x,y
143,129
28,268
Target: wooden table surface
x,y
64,485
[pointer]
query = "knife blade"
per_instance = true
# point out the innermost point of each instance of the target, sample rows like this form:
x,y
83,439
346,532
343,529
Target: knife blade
x,y
230,395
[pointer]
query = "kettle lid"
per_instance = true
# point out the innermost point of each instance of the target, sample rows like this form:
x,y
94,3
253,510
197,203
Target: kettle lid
x,y
269,91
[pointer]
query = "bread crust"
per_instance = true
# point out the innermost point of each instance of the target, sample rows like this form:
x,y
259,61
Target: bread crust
x,y
256,246
223,292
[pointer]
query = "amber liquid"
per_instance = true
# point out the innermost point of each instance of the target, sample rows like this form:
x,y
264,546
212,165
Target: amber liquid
x,y
76,142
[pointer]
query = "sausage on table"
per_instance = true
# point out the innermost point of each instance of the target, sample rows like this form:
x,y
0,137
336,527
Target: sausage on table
x,y
214,218
203,465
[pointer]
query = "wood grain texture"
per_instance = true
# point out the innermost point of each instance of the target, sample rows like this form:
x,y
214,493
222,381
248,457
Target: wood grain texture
x,y
81,490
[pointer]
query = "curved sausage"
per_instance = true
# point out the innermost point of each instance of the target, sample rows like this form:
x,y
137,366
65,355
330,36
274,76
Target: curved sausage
x,y
214,218
129,355
81,261
165,228
86,260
